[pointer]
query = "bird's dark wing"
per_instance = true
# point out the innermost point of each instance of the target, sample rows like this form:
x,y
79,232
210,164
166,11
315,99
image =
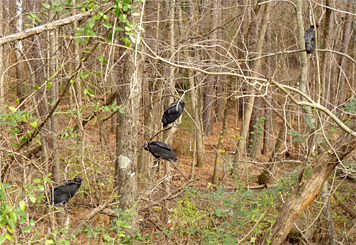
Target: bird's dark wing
x,y
172,108
309,34
73,188
63,192
161,145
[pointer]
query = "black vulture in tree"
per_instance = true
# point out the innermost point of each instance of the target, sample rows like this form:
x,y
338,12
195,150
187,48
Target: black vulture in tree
x,y
309,37
63,192
173,111
161,150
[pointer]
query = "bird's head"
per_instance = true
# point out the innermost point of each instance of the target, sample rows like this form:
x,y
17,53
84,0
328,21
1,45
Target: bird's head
x,y
145,146
78,179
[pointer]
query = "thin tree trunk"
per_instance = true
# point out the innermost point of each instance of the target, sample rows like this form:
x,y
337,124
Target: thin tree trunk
x,y
268,128
343,72
303,81
219,151
208,96
53,96
198,147
208,88
171,4
77,94
19,51
251,99
216,36
2,63
324,55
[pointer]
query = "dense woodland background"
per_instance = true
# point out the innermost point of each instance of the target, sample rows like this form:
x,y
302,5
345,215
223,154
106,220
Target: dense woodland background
x,y
265,147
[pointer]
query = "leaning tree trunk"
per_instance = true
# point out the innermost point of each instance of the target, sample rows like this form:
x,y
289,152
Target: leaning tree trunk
x,y
308,189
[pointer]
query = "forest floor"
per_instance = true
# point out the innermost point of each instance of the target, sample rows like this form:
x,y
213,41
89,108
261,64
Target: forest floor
x,y
152,218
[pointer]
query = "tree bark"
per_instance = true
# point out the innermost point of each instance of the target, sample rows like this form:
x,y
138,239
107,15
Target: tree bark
x,y
127,135
19,51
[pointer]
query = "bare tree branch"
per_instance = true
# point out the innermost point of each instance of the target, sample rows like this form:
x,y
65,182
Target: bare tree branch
x,y
52,25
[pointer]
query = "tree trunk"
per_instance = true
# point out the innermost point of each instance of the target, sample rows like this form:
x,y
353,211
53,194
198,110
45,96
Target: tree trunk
x,y
19,51
208,96
210,81
2,63
343,72
198,148
328,31
328,224
171,4
127,135
251,99
53,97
220,150
77,95
268,127
216,17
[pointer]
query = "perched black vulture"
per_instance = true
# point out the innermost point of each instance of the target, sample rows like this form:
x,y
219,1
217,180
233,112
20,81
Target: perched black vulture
x,y
309,37
173,112
63,192
161,150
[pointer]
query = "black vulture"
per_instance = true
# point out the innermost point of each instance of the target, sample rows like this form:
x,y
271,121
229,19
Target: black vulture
x,y
173,111
309,37
63,192
161,150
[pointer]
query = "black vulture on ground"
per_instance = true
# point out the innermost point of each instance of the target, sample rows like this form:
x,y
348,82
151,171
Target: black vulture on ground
x,y
173,111
63,192
309,37
161,150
